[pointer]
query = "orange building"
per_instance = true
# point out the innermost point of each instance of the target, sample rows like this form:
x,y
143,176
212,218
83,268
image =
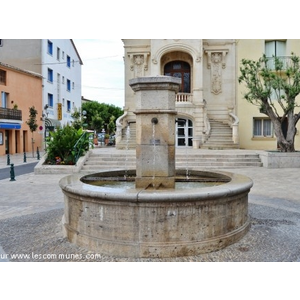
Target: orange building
x,y
19,90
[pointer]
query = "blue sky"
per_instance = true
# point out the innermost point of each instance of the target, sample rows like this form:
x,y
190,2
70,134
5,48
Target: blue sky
x,y
102,76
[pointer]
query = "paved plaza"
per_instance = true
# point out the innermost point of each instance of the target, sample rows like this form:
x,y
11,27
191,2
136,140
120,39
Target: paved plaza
x,y
31,210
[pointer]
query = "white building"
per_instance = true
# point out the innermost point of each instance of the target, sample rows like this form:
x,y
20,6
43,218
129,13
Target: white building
x,y
59,63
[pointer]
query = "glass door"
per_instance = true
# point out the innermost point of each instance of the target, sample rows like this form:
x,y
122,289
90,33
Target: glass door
x,y
184,132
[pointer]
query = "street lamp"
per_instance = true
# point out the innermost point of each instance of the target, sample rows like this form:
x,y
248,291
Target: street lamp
x,y
83,119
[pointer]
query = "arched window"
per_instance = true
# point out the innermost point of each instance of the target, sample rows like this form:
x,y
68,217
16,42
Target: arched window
x,y
180,69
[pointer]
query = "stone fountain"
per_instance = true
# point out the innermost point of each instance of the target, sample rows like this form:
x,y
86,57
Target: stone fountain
x,y
155,210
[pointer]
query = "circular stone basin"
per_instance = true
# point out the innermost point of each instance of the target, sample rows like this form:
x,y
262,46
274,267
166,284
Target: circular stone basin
x,y
105,213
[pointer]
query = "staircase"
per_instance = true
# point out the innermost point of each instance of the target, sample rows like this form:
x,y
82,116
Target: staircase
x,y
109,158
128,138
220,136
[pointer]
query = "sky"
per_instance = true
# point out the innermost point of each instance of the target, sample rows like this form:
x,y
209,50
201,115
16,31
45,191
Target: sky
x,y
102,72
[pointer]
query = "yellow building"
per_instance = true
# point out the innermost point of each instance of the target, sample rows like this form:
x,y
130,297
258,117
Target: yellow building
x,y
19,90
255,128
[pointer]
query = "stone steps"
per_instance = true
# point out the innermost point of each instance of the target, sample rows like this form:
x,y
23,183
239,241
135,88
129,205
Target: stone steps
x,y
220,137
100,161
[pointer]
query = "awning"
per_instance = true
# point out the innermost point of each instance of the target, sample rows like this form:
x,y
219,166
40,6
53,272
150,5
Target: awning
x,y
51,122
10,125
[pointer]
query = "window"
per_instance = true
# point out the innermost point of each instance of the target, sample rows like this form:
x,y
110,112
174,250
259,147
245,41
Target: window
x,y
68,85
50,100
73,85
4,99
68,105
2,77
68,61
275,48
63,80
1,43
50,48
63,55
50,75
262,127
58,54
179,69
275,95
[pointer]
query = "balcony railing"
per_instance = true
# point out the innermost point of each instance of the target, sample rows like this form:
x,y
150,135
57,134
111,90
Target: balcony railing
x,y
183,97
285,60
10,114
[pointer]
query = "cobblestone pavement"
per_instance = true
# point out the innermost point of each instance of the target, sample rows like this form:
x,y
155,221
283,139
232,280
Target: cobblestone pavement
x,y
31,210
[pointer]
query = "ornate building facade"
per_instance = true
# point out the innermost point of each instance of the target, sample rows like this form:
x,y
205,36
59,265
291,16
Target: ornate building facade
x,y
206,102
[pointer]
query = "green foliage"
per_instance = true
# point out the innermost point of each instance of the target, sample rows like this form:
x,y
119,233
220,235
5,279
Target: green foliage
x,y
31,122
66,144
100,115
77,122
111,127
270,79
273,85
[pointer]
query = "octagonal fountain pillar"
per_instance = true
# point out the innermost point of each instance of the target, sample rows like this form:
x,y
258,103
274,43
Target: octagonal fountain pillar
x,y
155,130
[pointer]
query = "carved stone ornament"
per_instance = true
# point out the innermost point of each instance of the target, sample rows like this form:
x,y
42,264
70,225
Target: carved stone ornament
x,y
138,63
216,62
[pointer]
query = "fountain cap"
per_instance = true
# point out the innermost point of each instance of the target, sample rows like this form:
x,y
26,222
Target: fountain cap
x,y
155,83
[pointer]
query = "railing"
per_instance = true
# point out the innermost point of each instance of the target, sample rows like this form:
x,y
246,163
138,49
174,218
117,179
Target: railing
x,y
120,125
10,114
285,60
79,148
234,126
207,128
183,97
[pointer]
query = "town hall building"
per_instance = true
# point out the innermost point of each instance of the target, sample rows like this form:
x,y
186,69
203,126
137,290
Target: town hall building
x,y
211,110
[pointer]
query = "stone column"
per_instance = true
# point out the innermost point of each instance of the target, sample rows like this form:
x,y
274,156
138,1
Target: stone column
x,y
155,130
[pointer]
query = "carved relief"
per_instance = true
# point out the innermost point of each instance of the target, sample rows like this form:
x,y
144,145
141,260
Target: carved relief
x,y
216,73
216,62
139,64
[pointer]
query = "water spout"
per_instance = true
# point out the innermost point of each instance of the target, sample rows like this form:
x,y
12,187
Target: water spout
x,y
154,121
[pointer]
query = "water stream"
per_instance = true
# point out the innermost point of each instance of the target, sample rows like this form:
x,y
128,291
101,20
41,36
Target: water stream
x,y
154,154
127,149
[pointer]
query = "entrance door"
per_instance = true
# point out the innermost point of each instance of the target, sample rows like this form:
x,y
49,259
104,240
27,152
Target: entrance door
x,y
184,132
24,140
17,138
182,70
6,142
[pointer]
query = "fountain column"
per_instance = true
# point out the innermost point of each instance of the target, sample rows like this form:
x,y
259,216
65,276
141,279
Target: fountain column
x,y
155,135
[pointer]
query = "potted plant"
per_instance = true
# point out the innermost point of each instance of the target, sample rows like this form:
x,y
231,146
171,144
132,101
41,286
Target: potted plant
x,y
95,140
106,138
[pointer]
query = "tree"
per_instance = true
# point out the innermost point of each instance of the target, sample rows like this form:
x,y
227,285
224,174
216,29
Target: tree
x,y
99,115
273,85
77,120
31,122
111,125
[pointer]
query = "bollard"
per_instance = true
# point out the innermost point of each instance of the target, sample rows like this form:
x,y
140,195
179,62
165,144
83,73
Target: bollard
x,y
38,153
12,173
24,156
8,159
